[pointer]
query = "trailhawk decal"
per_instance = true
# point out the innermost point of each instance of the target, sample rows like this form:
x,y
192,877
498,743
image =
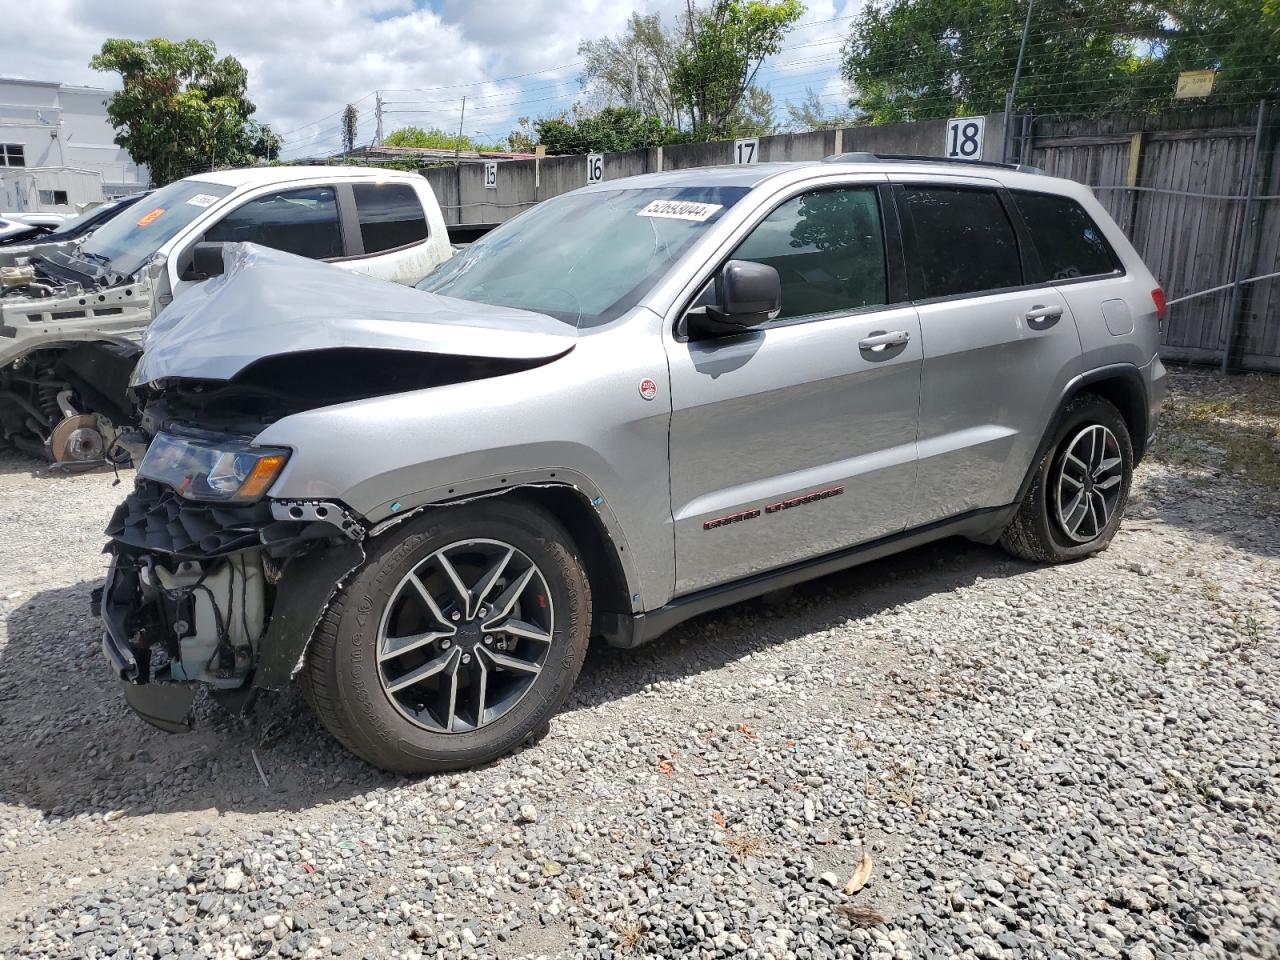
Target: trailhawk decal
x,y
778,507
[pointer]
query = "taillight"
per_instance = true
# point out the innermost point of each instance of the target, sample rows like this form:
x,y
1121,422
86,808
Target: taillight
x,y
1157,297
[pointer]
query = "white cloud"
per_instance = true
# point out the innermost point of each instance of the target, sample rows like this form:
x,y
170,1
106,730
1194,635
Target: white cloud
x,y
308,58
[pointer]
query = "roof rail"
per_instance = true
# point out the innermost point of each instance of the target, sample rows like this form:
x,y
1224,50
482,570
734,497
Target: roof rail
x,y
863,157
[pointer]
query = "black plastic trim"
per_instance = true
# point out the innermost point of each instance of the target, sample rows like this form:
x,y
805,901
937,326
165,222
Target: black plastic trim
x,y
895,247
1032,268
644,627
349,223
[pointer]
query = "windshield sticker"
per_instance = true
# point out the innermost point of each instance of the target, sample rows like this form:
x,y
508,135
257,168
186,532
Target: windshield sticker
x,y
203,200
680,210
151,217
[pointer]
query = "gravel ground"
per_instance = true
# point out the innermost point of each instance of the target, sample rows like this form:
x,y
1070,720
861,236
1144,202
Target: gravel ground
x,y
1081,761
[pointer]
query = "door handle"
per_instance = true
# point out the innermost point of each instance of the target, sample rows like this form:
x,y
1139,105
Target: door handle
x,y
1041,317
880,341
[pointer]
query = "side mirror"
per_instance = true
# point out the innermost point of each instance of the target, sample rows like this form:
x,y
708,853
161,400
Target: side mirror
x,y
206,262
749,294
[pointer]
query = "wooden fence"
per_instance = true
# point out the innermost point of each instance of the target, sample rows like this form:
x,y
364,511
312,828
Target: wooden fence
x,y
1177,187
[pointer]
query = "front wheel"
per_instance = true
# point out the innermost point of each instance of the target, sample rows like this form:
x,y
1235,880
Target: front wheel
x,y
457,640
1078,494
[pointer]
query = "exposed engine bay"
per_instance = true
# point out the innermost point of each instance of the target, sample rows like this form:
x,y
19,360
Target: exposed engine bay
x,y
68,331
227,595
193,587
213,582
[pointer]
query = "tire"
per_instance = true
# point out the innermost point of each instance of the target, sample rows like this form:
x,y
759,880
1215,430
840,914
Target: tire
x,y
438,723
1038,531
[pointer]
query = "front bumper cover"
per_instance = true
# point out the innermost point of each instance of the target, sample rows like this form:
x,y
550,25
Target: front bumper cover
x,y
312,559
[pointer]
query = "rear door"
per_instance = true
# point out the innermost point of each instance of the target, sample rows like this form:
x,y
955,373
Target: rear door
x,y
999,344
797,438
390,236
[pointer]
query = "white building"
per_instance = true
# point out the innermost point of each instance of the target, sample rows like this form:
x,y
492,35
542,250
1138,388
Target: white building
x,y
58,150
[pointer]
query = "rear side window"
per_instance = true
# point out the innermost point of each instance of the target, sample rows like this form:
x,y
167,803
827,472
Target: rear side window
x,y
963,241
303,222
828,249
390,215
1068,241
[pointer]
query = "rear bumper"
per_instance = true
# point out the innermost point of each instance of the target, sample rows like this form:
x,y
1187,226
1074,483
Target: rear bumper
x,y
1157,379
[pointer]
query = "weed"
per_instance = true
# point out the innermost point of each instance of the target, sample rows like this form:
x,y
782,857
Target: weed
x,y
1251,628
629,934
743,845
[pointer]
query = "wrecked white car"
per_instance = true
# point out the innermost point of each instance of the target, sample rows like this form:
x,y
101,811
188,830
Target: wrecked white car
x,y
71,313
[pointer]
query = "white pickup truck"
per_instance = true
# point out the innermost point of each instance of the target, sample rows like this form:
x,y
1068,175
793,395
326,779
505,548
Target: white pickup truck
x,y
71,314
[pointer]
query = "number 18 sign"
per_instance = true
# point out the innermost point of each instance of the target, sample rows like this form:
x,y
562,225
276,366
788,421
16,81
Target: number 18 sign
x,y
964,138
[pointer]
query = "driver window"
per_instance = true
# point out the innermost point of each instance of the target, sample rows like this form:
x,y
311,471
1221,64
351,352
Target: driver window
x,y
303,222
828,249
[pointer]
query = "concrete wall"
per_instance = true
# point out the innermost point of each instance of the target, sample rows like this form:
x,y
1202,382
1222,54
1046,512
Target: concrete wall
x,y
522,183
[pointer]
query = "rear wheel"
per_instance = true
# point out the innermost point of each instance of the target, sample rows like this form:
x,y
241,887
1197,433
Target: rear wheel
x,y
457,641
1077,497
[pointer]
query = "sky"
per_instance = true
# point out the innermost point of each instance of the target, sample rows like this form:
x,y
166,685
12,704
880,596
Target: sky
x,y
308,58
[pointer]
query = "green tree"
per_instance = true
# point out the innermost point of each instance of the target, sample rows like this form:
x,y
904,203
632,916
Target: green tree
x,y
810,114
634,69
436,139
524,138
266,146
723,48
610,129
350,126
180,109
917,59
697,76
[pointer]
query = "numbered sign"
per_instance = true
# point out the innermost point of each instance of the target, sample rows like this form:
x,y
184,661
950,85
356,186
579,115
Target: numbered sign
x,y
491,174
746,150
964,138
595,167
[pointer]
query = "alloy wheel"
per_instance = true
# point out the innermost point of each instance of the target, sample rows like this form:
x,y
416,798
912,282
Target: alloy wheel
x,y
465,635
1089,484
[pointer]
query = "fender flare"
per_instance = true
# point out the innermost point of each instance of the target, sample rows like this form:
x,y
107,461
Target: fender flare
x,y
1126,372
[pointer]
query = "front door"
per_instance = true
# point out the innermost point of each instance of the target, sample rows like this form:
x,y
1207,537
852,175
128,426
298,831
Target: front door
x,y
797,438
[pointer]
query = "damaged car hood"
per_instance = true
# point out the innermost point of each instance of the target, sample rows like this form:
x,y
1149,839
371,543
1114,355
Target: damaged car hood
x,y
269,303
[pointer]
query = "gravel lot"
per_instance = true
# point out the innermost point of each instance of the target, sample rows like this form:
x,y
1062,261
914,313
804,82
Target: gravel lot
x,y
1081,761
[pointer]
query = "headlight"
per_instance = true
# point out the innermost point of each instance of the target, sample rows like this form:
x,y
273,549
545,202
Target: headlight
x,y
199,470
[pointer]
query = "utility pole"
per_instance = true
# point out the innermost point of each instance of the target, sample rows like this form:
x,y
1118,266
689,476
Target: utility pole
x,y
457,144
1013,90
377,111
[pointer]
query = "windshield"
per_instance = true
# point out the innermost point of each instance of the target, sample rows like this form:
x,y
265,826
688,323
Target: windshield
x,y
77,225
128,240
583,258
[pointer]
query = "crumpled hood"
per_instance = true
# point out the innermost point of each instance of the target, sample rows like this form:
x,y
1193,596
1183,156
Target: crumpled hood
x,y
269,303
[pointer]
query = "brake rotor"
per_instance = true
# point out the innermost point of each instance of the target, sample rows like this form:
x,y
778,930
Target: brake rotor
x,y
78,439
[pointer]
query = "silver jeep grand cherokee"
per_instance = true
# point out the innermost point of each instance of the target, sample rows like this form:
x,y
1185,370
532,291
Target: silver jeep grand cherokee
x,y
632,404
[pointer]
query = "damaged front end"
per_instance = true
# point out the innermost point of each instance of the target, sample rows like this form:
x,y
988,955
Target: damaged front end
x,y
220,595
214,581
67,346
